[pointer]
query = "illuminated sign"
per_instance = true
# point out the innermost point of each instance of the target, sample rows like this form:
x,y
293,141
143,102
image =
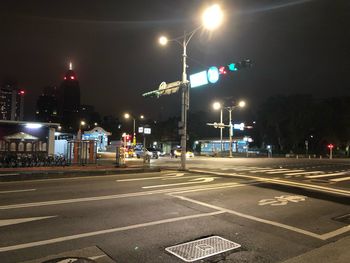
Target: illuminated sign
x,y
140,129
239,126
213,74
198,79
147,130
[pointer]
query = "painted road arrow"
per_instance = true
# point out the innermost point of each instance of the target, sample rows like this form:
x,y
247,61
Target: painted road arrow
x,y
171,175
6,222
194,181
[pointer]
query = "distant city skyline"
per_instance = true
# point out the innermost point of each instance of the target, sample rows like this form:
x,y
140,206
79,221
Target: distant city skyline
x,y
295,46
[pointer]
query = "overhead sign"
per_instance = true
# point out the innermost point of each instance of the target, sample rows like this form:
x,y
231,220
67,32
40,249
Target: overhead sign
x,y
199,79
147,130
239,126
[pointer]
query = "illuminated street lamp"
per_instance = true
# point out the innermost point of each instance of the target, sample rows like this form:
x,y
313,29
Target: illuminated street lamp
x,y
128,116
241,104
81,123
217,106
211,19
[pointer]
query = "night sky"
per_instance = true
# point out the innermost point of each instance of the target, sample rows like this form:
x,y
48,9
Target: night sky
x,y
296,47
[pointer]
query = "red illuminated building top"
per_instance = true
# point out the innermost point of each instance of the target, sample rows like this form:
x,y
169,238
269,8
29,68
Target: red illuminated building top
x,y
70,75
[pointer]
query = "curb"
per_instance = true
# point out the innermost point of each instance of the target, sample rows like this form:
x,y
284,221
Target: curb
x,y
53,174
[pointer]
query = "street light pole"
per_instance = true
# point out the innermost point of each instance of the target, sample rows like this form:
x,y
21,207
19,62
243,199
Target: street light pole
x,y
221,144
185,102
230,133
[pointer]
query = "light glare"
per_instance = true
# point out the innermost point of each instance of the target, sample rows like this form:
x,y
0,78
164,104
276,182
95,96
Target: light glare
x,y
241,103
216,105
163,40
33,125
212,17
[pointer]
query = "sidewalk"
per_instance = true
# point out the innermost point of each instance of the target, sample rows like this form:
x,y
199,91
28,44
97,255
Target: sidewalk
x,y
336,252
103,167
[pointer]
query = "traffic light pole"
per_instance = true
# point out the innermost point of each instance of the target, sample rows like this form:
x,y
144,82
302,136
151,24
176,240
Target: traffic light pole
x,y
230,127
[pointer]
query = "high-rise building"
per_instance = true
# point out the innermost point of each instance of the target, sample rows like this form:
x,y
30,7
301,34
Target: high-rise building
x,y
11,102
69,99
47,105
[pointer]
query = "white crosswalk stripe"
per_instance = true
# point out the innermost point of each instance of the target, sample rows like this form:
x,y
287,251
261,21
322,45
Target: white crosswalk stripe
x,y
342,179
324,175
284,171
306,172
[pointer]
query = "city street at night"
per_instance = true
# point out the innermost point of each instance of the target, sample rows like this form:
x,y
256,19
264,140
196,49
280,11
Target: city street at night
x,y
135,217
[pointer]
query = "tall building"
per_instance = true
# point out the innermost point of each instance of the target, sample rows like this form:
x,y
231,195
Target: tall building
x,y
47,105
11,102
69,100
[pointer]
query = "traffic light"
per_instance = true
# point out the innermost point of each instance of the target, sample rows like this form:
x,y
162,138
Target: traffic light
x,y
222,70
330,146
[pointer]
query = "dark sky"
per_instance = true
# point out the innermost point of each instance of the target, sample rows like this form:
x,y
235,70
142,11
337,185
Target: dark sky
x,y
296,46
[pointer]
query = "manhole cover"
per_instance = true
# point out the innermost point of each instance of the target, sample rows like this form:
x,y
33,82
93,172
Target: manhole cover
x,y
343,218
202,248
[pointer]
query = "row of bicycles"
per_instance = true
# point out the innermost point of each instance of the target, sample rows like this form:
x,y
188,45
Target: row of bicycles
x,y
29,160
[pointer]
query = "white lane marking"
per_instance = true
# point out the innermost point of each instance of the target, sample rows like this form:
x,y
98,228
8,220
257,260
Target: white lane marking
x,y
9,174
152,178
280,181
7,222
324,175
336,232
340,179
287,171
97,257
269,222
306,172
107,197
194,181
17,191
267,170
106,231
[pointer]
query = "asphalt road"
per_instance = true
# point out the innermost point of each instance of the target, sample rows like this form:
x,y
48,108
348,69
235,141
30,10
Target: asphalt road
x,y
134,217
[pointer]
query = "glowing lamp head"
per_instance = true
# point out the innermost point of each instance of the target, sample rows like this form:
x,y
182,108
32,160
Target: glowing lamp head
x,y
126,115
241,104
163,40
82,123
216,105
142,117
72,77
212,17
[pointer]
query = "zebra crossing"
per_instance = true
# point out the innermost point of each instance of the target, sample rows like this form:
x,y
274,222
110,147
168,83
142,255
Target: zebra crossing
x,y
329,176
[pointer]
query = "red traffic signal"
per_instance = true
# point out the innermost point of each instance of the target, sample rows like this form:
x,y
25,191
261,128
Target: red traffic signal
x,y
330,146
222,70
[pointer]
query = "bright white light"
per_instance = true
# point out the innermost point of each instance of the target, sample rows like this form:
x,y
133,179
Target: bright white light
x,y
212,17
142,117
82,123
198,79
163,40
95,123
242,104
33,125
216,106
126,115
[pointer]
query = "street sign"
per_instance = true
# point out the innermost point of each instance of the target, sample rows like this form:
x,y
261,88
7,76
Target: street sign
x,y
170,88
239,126
147,130
218,125
199,79
140,129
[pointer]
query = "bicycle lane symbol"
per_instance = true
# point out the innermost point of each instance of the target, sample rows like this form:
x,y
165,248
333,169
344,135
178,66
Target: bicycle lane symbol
x,y
282,200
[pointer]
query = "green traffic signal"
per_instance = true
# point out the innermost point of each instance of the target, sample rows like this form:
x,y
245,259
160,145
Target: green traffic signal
x,y
232,67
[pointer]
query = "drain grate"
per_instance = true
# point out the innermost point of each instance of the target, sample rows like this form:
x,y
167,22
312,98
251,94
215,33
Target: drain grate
x,y
202,248
343,218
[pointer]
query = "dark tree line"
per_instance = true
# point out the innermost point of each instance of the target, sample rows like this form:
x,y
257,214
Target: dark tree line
x,y
295,123
300,123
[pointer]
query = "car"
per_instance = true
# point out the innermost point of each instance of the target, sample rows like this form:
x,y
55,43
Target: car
x,y
151,152
177,153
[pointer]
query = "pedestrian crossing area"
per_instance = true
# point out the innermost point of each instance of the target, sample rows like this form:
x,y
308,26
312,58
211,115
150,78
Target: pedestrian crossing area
x,y
338,176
